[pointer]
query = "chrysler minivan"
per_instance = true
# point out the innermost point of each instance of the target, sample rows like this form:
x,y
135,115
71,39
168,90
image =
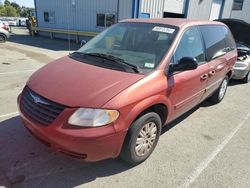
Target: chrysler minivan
x,y
114,95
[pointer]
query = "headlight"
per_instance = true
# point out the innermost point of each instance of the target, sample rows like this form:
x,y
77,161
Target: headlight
x,y
86,117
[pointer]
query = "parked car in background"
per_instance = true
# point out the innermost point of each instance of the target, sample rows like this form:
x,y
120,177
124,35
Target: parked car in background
x,y
12,21
6,24
4,33
113,96
242,66
241,30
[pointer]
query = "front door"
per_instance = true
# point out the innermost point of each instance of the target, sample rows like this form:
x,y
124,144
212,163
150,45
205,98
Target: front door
x,y
185,89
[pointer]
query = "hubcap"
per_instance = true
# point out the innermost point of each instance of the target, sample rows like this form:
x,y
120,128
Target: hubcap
x,y
248,77
223,89
146,139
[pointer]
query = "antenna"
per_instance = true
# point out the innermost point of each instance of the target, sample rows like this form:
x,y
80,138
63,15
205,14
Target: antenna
x,y
68,25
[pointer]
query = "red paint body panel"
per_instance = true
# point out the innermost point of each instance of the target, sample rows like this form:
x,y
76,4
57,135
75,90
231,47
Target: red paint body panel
x,y
67,81
96,143
77,84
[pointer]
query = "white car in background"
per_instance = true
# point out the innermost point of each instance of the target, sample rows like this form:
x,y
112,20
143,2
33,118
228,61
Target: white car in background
x,y
6,24
242,66
4,33
12,22
240,30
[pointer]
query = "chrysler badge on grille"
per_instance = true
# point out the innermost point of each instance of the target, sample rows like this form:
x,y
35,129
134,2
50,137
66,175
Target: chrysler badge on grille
x,y
37,99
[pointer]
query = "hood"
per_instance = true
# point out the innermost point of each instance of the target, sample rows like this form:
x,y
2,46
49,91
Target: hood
x,y
239,28
76,84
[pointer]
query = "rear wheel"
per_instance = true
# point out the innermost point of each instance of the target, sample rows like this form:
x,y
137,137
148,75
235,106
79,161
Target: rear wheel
x,y
2,38
247,78
219,95
141,139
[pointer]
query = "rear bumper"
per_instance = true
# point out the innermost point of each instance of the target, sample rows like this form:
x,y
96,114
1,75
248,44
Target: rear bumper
x,y
88,144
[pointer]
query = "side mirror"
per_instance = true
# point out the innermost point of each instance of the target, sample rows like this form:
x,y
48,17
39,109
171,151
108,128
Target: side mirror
x,y
83,42
185,64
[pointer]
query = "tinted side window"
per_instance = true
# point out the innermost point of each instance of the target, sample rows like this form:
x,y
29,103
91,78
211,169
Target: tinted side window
x,y
190,45
214,40
230,43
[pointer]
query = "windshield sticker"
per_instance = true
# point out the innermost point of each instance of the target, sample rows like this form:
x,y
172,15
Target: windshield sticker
x,y
164,29
149,65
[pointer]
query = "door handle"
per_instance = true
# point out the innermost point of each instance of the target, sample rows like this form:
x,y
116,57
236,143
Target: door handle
x,y
204,76
212,73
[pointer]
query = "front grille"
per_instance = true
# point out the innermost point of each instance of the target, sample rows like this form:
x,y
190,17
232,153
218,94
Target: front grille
x,y
39,108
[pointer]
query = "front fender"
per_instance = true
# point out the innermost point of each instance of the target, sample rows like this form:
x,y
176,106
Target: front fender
x,y
145,104
129,113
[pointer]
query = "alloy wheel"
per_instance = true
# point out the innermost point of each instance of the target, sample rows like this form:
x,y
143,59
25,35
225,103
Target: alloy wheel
x,y
146,139
223,89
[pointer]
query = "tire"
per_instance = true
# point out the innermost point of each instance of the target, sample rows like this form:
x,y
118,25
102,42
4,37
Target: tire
x,y
219,95
136,138
247,78
2,38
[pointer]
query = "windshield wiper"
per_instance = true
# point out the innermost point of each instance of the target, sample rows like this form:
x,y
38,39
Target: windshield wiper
x,y
115,59
77,53
111,58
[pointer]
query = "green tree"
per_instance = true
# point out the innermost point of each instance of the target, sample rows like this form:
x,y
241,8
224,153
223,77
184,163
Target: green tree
x,y
17,7
10,11
6,2
25,12
2,10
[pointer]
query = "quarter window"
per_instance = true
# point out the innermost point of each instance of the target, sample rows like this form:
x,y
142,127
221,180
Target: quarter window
x,y
190,46
230,43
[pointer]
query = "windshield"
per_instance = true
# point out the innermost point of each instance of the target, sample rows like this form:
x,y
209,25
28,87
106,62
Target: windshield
x,y
142,45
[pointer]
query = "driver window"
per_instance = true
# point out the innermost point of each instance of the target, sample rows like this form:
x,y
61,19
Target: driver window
x,y
190,45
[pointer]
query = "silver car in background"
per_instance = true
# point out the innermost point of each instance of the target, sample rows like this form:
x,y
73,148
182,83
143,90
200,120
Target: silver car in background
x,y
240,30
4,33
242,66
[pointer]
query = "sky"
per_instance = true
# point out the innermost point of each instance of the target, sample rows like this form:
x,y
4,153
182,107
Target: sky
x,y
26,3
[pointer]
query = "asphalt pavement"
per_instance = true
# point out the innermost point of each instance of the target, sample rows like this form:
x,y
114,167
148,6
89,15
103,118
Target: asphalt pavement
x,y
207,147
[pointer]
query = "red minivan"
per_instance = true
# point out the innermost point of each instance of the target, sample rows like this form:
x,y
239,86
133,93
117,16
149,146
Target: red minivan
x,y
113,96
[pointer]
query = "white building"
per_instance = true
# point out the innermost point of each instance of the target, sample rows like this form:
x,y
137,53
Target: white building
x,y
96,15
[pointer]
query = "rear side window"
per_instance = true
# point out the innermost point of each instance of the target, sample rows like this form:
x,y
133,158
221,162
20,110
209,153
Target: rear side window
x,y
218,41
214,40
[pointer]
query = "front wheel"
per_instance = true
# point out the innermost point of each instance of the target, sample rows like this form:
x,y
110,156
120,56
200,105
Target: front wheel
x,y
142,137
219,95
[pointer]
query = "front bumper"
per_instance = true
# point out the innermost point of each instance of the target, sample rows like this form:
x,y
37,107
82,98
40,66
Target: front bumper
x,y
87,144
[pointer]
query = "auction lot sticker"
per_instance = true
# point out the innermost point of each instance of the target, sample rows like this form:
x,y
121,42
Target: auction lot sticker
x,y
163,29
